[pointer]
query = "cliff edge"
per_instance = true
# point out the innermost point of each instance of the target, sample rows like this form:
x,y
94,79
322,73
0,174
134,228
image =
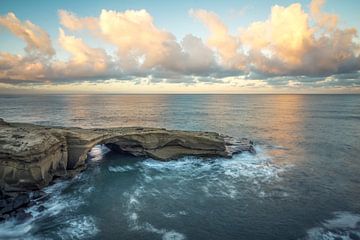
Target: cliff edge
x,y
31,155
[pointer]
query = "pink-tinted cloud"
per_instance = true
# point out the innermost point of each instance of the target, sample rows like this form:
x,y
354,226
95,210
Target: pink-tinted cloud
x,y
323,20
220,40
84,60
291,42
37,40
288,44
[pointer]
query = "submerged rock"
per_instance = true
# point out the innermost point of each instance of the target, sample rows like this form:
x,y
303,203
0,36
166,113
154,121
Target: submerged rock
x,y
31,155
21,216
41,208
21,200
13,206
38,195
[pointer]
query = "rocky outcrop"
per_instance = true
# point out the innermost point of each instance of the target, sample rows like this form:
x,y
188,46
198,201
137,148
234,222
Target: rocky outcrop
x,y
31,156
14,204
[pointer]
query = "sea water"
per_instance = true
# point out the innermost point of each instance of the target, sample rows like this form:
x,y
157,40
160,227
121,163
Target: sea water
x,y
303,183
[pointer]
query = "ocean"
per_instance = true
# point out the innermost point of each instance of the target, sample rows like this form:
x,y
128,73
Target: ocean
x,y
303,183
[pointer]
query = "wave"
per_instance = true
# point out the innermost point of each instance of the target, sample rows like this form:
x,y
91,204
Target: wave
x,y
81,227
120,169
343,226
61,210
175,182
220,176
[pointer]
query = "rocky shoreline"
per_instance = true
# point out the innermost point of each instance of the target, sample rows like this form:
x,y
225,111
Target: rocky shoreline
x,y
14,204
32,156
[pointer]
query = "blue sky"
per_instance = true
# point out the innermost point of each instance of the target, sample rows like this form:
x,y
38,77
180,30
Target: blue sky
x,y
168,15
172,17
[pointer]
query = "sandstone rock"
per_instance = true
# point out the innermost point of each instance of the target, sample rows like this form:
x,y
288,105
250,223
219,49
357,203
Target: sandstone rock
x,y
31,156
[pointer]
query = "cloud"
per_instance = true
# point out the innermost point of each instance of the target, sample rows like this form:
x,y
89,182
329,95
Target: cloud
x,y
141,45
139,41
287,44
220,39
324,20
136,37
285,36
291,47
16,68
74,23
84,61
197,56
37,40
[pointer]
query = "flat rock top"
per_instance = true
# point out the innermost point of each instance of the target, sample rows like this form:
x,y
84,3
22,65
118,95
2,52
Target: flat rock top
x,y
31,155
21,139
25,140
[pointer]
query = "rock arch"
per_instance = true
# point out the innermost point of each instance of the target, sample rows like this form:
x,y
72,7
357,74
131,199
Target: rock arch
x,y
31,155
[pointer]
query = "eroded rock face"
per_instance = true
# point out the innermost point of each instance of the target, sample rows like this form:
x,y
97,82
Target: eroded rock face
x,y
164,144
31,156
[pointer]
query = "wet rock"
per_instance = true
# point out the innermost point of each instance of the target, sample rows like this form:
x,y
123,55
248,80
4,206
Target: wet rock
x,y
41,208
14,206
6,195
4,217
32,203
21,215
2,203
21,200
7,208
12,203
354,236
38,195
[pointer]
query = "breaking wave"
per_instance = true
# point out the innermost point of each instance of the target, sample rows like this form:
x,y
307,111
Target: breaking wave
x,y
58,218
343,226
175,182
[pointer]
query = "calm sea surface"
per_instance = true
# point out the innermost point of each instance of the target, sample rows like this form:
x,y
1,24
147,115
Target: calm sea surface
x,y
303,183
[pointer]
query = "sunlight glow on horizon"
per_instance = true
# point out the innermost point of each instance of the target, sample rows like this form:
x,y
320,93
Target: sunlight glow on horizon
x,y
297,49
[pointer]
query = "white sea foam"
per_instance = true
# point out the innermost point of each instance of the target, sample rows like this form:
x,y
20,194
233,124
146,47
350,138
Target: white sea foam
x,y
147,227
120,168
134,206
221,176
59,204
174,215
81,227
175,180
172,235
12,230
247,165
169,215
183,213
97,153
344,226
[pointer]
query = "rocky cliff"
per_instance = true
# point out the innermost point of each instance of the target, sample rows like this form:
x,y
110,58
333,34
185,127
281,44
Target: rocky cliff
x,y
31,155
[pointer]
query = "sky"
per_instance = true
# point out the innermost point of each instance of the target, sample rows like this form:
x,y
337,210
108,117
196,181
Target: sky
x,y
133,46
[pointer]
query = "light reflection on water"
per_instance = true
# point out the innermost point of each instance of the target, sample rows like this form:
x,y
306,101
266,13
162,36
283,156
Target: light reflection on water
x,y
312,142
